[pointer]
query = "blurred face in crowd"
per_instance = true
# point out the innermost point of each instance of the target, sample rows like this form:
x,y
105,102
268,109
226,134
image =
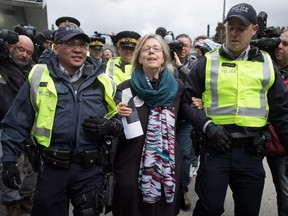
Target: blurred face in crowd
x,y
151,57
126,53
71,54
95,52
281,53
186,49
107,54
47,43
238,36
21,52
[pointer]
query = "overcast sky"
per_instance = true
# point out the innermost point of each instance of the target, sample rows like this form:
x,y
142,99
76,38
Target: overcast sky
x,y
145,16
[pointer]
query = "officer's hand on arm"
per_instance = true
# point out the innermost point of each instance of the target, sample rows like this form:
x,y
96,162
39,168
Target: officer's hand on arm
x,y
197,102
11,175
218,137
101,126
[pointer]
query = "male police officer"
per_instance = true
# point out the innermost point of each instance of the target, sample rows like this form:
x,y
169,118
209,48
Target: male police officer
x,y
96,48
68,106
120,68
239,87
61,21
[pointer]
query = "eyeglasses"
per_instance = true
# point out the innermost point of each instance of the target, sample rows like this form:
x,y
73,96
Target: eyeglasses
x,y
156,49
74,43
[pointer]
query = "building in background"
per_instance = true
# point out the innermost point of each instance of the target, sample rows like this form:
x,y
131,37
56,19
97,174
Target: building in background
x,y
26,12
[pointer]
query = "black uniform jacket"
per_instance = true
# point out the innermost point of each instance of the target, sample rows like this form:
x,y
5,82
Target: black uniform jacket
x,y
277,99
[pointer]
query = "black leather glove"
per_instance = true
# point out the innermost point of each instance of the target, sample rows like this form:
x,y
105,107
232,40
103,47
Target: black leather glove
x,y
218,137
10,175
100,126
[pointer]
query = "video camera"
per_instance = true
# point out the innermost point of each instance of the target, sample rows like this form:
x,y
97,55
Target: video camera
x,y
267,38
169,38
7,37
98,36
27,30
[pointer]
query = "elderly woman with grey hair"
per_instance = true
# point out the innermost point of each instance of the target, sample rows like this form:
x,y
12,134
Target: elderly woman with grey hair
x,y
148,167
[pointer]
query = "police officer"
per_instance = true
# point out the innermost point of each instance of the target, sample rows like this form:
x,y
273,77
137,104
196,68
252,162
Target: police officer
x,y
120,68
61,21
96,48
68,106
241,89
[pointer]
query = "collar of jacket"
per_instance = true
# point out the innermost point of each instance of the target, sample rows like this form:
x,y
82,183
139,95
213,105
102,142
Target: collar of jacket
x,y
253,55
54,65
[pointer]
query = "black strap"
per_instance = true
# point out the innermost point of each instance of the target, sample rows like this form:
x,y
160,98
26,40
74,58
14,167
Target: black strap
x,y
76,201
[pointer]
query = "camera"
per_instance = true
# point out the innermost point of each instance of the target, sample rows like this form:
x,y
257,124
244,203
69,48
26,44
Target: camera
x,y
7,37
169,38
27,30
98,37
267,38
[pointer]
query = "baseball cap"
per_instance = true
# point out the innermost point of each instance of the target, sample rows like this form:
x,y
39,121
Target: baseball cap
x,y
68,31
245,12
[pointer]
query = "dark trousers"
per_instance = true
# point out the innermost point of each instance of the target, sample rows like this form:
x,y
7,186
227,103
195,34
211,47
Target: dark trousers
x,y
58,185
242,170
184,140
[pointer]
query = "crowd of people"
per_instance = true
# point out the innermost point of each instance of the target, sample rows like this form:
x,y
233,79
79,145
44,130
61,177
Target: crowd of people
x,y
110,129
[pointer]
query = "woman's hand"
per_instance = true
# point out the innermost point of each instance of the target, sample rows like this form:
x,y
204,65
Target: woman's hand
x,y
197,102
123,110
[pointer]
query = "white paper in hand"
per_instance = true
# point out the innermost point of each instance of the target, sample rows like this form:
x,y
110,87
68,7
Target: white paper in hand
x,y
131,124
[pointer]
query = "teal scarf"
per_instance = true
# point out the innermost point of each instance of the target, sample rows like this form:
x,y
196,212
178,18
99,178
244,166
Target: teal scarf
x,y
161,97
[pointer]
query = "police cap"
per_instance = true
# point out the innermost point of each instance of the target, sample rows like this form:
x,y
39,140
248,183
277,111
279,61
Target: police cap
x,y
68,31
66,20
97,42
126,38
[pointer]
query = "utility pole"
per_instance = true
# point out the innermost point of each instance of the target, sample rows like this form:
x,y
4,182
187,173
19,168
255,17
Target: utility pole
x,y
224,8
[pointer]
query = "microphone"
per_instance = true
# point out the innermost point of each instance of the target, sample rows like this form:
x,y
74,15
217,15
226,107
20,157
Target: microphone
x,y
168,39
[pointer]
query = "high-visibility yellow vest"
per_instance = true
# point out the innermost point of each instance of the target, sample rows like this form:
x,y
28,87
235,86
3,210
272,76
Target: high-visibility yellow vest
x,y
43,96
236,91
2,80
113,70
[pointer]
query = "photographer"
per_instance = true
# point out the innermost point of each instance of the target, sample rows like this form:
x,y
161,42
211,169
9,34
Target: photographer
x,y
42,41
279,164
184,62
14,70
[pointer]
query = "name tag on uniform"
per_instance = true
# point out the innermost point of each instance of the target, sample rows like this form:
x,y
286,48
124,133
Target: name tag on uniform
x,y
228,64
43,84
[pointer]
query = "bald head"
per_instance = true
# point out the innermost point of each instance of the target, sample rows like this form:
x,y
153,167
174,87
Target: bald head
x,y
22,51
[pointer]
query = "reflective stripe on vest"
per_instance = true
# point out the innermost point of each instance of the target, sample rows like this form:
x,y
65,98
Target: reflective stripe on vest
x,y
43,96
113,70
110,68
2,80
110,92
245,102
